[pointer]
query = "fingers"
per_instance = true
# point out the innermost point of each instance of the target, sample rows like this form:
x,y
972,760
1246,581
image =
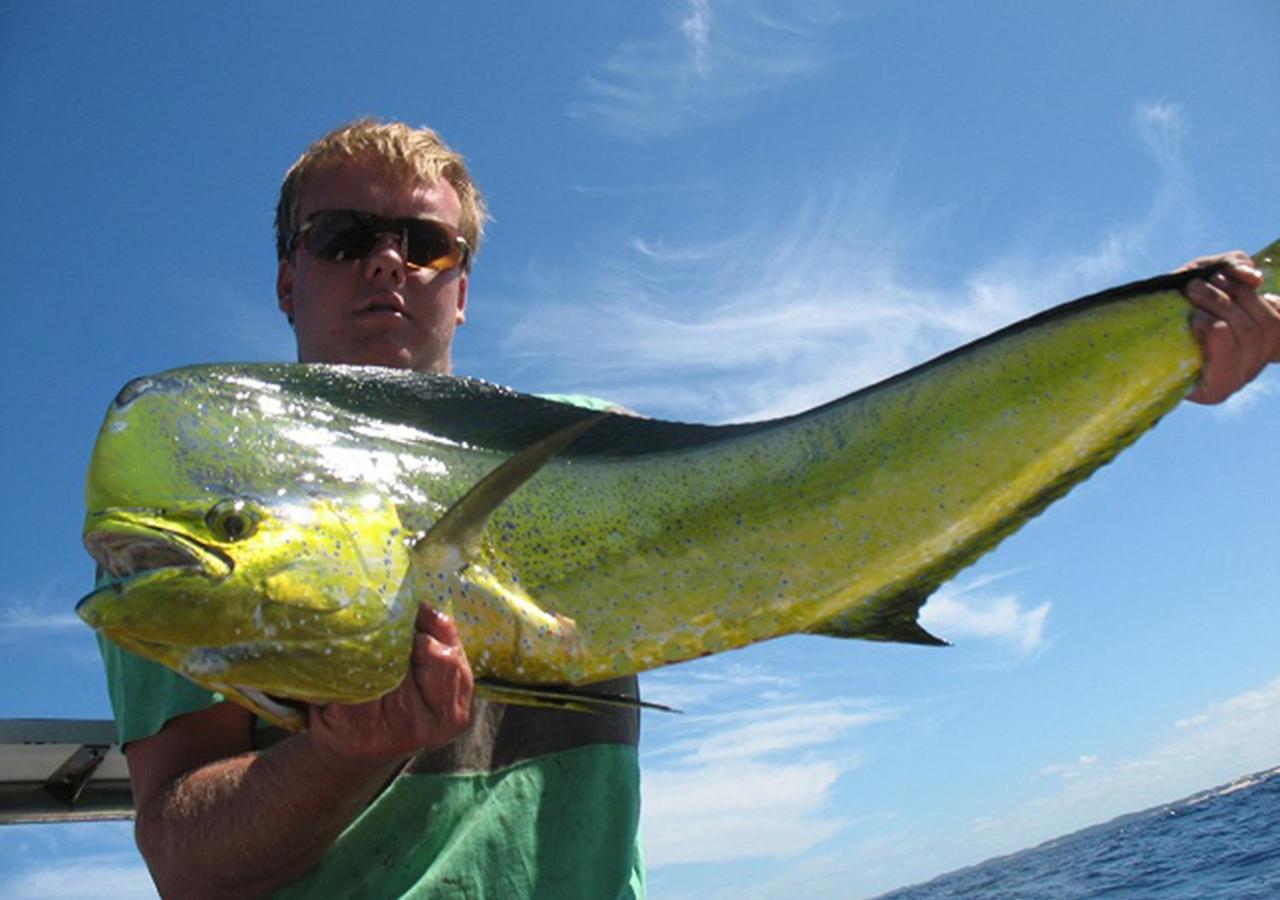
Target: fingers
x,y
436,624
1238,331
1235,259
442,675
429,708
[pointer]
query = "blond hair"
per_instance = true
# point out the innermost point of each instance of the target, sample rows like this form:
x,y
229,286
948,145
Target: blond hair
x,y
416,154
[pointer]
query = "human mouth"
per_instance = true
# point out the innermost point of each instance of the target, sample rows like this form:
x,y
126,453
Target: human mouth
x,y
384,305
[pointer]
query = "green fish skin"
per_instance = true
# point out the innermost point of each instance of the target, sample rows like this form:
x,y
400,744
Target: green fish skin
x,y
268,531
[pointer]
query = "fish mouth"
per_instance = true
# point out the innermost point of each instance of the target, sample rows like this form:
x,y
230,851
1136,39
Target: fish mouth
x,y
129,551
290,713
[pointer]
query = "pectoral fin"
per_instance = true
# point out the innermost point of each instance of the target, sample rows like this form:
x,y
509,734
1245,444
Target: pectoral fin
x,y
558,697
455,536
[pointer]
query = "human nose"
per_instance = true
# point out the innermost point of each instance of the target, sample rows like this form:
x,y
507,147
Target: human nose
x,y
386,261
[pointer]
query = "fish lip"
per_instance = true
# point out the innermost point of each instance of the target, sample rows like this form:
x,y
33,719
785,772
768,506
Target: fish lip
x,y
281,707
128,551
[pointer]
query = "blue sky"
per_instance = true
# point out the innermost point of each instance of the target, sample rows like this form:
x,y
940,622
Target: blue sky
x,y
707,211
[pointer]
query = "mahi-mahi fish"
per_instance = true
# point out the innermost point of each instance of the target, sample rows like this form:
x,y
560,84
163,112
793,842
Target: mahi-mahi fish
x,y
269,531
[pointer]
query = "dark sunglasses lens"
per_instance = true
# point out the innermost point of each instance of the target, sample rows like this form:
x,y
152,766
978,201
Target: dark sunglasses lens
x,y
341,235
430,245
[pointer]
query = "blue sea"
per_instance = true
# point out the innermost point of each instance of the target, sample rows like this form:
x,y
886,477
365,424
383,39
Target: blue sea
x,y
1219,843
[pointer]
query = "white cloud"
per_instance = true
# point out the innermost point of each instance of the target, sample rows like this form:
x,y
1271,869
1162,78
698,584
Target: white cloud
x,y
33,620
1163,126
102,877
1069,770
697,30
75,860
951,615
1239,403
709,55
1210,747
753,783
21,622
785,310
775,729
736,812
247,325
1213,746
700,684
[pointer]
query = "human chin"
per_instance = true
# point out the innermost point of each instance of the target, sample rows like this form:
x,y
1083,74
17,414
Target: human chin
x,y
379,351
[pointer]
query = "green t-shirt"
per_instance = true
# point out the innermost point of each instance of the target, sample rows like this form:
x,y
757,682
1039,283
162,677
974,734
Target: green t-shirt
x,y
527,803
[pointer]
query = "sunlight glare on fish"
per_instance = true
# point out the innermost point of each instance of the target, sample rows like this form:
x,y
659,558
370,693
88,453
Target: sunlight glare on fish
x,y
270,406
354,465
307,436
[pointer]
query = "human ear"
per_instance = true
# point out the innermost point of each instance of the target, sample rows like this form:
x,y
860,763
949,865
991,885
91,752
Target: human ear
x,y
461,315
284,289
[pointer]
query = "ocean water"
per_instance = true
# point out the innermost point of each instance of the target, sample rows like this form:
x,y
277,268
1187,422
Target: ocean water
x,y
1220,843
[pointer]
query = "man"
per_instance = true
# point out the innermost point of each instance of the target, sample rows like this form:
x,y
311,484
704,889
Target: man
x,y
380,799
410,793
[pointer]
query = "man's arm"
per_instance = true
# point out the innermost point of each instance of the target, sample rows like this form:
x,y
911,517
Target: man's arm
x,y
1239,331
215,818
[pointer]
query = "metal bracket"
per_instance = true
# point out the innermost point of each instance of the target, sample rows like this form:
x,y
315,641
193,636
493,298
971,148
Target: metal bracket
x,y
69,779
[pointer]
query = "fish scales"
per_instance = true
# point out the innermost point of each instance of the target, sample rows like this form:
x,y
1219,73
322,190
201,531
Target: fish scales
x,y
641,544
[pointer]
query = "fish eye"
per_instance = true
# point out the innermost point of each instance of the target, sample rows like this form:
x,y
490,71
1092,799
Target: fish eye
x,y
232,520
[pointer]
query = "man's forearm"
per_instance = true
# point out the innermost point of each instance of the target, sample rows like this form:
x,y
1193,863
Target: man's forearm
x,y
248,824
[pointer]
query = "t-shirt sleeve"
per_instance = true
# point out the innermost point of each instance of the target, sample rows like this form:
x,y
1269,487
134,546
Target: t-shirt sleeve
x,y
145,695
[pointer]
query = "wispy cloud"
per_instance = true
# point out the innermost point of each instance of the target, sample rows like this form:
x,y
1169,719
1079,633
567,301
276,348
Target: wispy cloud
x,y
95,859
953,613
1069,770
245,324
115,877
784,311
749,783
1238,404
1163,127
20,621
1213,746
737,812
699,686
708,54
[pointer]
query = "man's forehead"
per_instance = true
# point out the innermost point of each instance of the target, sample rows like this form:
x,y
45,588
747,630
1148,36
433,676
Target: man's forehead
x,y
378,188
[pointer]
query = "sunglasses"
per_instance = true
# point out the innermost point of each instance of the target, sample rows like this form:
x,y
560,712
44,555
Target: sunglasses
x,y
344,234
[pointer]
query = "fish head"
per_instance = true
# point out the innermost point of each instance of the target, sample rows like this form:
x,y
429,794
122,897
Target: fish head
x,y
303,601
242,543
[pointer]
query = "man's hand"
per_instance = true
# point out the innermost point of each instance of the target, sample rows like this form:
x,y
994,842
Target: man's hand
x,y
217,818
429,709
1239,331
